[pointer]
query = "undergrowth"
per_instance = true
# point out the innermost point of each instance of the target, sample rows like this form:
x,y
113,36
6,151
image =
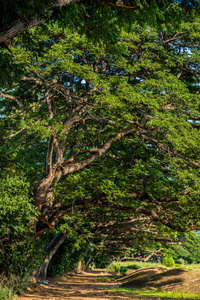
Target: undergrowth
x,y
11,285
139,264
136,265
6,293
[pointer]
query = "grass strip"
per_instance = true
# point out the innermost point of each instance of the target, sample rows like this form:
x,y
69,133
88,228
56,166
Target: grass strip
x,y
150,293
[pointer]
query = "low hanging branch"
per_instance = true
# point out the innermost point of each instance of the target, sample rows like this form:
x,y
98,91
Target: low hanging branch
x,y
154,215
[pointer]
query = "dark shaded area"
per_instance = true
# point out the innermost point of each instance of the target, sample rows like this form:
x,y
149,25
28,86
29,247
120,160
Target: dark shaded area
x,y
142,273
145,279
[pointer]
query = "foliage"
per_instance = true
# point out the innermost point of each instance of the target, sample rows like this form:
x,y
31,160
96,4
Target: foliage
x,y
113,269
123,270
67,256
108,140
134,266
168,262
5,293
16,211
10,285
116,268
98,20
138,265
187,250
101,258
86,14
13,284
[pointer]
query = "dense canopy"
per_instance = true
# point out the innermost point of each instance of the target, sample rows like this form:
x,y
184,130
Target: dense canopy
x,y
91,16
104,137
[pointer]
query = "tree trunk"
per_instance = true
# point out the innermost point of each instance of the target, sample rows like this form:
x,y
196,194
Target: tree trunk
x,y
88,263
80,266
52,248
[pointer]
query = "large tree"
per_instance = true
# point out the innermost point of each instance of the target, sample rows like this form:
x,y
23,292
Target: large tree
x,y
135,107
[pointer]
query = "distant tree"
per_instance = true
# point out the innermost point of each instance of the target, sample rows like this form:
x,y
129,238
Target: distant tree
x,y
187,250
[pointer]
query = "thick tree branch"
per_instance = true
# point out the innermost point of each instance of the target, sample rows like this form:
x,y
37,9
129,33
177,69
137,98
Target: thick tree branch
x,y
32,79
11,97
49,98
71,168
16,27
49,157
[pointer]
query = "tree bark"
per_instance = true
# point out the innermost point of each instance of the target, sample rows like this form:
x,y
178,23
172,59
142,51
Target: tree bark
x,y
80,266
19,25
52,248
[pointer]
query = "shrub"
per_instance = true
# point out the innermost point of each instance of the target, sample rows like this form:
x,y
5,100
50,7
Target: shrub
x,y
177,265
113,269
12,284
6,292
168,262
19,257
134,266
181,261
123,270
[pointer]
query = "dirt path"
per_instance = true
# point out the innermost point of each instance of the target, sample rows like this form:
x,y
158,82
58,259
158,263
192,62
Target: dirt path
x,y
92,286
83,286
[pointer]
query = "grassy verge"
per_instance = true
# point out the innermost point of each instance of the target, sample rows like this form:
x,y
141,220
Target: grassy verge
x,y
5,293
11,285
159,294
140,264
